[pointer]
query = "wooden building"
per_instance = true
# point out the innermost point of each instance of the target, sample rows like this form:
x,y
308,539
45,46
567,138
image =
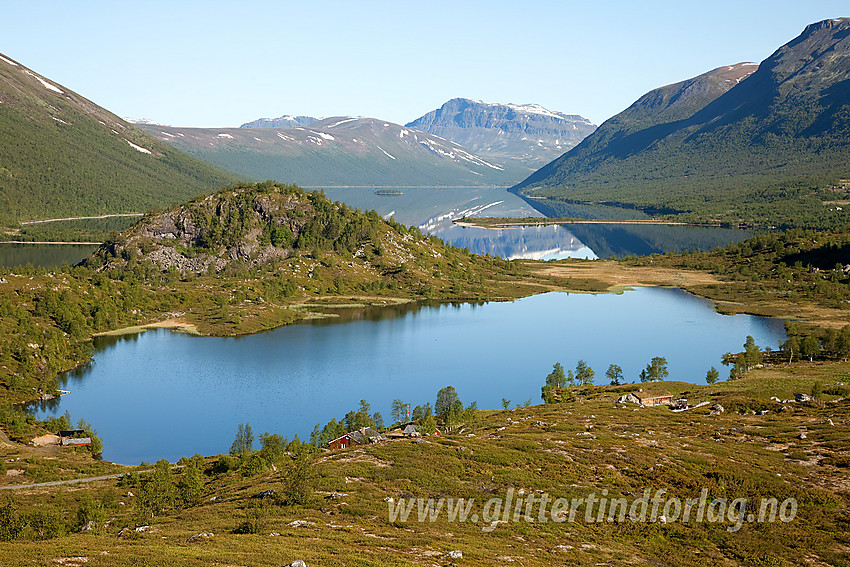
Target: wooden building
x,y
654,398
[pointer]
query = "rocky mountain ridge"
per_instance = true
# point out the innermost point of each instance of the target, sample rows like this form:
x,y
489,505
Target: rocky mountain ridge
x,y
525,133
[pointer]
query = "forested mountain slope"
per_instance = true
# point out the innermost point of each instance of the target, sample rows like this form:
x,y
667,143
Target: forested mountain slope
x,y
738,143
62,155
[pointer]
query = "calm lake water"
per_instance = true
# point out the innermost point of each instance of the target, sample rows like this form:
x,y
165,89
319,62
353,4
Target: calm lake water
x,y
164,395
44,255
433,209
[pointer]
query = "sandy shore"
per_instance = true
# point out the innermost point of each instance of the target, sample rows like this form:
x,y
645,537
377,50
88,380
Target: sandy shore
x,y
173,324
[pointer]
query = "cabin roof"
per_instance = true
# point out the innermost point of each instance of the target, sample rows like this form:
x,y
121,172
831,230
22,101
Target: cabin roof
x,y
655,393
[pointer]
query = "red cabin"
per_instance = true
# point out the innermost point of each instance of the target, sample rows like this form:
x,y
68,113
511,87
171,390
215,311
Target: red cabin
x,y
342,442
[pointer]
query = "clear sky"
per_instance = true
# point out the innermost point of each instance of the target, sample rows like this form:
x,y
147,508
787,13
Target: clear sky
x,y
215,63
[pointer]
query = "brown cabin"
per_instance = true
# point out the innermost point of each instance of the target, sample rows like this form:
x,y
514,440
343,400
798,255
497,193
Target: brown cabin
x,y
654,398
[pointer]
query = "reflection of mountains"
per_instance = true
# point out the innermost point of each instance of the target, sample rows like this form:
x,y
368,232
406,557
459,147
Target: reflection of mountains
x,y
534,242
587,240
608,240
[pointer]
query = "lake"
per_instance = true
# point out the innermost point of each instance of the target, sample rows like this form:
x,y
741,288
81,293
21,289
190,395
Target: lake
x,y
43,255
161,394
433,209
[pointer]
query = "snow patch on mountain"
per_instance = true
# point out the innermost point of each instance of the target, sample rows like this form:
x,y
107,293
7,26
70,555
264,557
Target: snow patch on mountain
x,y
47,85
335,124
385,152
139,148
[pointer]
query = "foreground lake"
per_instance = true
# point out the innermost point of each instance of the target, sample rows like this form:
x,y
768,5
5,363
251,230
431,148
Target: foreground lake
x,y
164,395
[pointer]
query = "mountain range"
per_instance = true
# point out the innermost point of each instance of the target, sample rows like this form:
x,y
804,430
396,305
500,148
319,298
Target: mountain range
x,y
464,142
745,141
524,133
63,155
766,143
341,150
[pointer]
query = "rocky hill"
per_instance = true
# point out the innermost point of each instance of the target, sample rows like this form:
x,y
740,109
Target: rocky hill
x,y
307,240
62,155
525,133
741,142
342,150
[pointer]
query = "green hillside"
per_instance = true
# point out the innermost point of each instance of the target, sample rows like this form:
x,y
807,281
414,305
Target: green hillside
x,y
768,146
62,155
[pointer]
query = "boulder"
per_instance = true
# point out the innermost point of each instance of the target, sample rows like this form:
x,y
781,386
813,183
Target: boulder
x,y
299,523
202,535
456,554
297,563
802,397
265,494
628,399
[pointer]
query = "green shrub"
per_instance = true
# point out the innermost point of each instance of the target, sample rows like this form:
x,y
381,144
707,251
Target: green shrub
x,y
90,514
11,523
225,464
45,524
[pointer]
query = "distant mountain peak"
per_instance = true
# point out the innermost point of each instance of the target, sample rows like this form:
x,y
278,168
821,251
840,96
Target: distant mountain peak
x,y
146,121
529,108
525,133
285,121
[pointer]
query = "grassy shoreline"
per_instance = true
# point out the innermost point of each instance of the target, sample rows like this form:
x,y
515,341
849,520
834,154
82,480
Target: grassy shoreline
x,y
569,449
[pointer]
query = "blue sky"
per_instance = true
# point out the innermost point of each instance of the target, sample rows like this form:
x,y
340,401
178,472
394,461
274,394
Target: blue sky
x,y
217,64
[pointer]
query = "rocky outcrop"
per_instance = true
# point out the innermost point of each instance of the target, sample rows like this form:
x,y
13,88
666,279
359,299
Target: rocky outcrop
x,y
271,226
